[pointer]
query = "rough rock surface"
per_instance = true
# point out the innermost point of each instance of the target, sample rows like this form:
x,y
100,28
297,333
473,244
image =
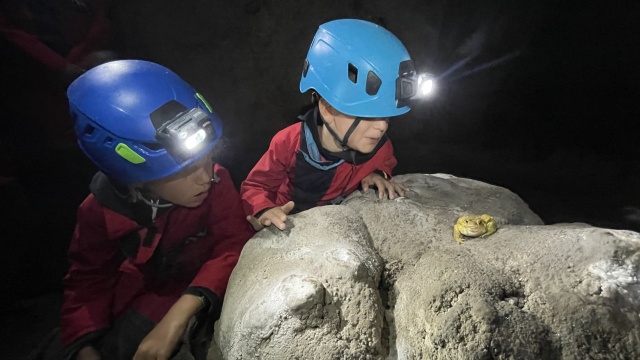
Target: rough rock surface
x,y
317,284
381,279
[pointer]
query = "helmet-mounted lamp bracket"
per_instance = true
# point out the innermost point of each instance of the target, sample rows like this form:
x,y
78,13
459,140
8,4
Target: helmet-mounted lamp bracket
x,y
411,85
184,134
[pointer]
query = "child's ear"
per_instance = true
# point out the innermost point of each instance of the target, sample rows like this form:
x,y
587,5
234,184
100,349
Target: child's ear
x,y
324,104
330,109
326,110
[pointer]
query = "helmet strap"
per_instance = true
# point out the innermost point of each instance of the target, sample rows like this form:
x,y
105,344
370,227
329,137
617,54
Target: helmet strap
x,y
341,142
152,203
353,126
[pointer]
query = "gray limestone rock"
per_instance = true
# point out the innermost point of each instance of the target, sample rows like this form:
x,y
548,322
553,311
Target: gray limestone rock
x,y
384,279
315,284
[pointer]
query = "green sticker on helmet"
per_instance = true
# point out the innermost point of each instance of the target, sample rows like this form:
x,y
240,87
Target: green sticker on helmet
x,y
128,154
199,96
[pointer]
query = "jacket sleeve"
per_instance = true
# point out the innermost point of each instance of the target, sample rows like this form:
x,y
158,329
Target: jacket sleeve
x,y
259,190
231,232
91,279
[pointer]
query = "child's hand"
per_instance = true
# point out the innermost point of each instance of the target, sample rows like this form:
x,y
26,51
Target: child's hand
x,y
274,216
165,336
382,184
160,342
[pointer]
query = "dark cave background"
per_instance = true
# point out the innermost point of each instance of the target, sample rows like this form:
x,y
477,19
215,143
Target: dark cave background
x,y
539,97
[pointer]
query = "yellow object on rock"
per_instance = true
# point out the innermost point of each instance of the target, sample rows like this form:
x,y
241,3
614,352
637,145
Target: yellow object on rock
x,y
472,226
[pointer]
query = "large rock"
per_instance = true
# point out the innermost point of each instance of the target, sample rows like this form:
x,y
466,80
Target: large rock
x,y
381,279
309,293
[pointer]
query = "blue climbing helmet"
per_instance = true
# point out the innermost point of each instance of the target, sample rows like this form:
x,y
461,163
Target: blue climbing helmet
x,y
358,67
138,121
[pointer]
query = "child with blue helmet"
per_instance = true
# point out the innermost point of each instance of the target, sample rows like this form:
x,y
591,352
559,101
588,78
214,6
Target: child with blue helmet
x,y
360,75
163,227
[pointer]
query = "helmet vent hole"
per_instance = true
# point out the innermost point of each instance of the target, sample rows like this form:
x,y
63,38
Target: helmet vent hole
x,y
305,68
353,73
88,130
373,83
108,140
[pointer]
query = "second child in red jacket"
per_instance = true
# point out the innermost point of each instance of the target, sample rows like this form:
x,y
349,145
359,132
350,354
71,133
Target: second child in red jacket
x,y
360,75
163,227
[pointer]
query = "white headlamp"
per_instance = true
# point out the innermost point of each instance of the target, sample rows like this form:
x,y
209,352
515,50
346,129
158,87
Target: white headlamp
x,y
426,86
186,132
412,86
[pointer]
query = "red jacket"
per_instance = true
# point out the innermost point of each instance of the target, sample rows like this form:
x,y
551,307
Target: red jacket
x,y
182,248
289,170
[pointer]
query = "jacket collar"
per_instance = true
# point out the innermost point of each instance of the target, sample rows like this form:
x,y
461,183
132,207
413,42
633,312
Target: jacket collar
x,y
115,197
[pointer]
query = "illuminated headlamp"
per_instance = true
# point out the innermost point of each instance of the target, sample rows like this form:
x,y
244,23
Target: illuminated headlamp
x,y
184,133
426,85
412,86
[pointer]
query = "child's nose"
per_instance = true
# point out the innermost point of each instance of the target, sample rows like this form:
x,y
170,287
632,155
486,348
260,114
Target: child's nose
x,y
381,124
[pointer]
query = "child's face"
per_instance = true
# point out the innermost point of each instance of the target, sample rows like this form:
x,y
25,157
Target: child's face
x,y
188,187
364,138
367,134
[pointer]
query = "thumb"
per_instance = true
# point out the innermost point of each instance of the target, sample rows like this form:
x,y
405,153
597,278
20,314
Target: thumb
x,y
286,208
